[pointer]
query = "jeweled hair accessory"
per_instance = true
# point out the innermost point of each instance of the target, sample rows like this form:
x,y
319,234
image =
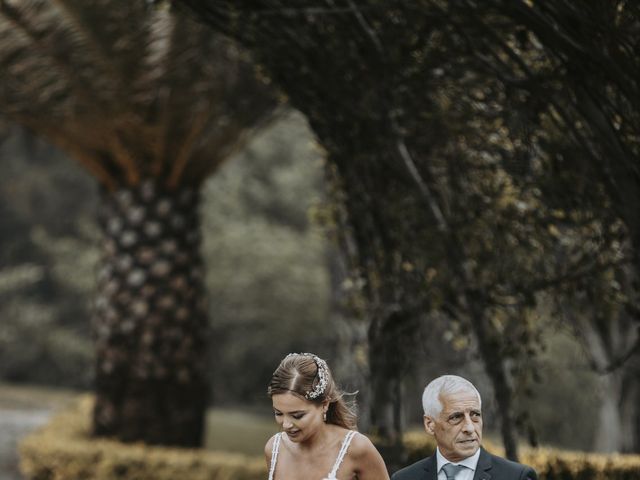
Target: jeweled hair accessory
x,y
323,375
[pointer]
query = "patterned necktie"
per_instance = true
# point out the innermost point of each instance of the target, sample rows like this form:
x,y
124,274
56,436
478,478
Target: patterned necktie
x,y
451,470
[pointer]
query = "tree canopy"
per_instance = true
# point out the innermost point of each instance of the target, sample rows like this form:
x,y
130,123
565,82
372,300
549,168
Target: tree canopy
x,y
469,162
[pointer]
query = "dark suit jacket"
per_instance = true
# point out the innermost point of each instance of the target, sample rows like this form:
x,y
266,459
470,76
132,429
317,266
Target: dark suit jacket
x,y
489,467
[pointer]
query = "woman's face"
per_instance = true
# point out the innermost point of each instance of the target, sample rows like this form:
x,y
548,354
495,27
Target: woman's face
x,y
298,418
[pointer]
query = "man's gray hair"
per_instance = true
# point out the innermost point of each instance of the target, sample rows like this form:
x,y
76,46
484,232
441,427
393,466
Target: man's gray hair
x,y
444,385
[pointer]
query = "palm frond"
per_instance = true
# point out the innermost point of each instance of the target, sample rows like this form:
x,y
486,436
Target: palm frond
x,y
137,88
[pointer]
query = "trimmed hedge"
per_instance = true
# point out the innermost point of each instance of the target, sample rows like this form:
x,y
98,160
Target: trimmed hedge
x,y
560,465
63,450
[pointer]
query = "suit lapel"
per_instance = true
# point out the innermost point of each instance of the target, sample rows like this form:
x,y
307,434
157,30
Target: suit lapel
x,y
431,468
484,466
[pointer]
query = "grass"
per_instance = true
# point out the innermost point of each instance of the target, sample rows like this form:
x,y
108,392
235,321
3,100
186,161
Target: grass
x,y
27,397
238,431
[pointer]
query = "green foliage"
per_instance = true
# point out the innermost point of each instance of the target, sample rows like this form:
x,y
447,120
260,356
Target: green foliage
x,y
46,264
36,347
268,282
567,389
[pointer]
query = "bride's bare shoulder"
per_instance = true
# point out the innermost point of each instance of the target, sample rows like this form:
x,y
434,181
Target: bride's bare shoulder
x,y
367,462
361,446
360,441
268,447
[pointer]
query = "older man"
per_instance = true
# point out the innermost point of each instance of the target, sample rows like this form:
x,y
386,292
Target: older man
x,y
452,414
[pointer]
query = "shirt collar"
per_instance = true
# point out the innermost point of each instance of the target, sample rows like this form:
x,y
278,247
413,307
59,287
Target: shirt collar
x,y
469,462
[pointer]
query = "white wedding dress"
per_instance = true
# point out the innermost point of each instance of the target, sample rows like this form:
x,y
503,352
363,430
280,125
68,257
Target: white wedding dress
x,y
332,475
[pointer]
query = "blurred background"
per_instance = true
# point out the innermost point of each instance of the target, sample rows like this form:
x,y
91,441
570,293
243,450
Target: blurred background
x,y
405,191
269,276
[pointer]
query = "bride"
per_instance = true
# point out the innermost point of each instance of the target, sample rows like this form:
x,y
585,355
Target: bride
x,y
319,440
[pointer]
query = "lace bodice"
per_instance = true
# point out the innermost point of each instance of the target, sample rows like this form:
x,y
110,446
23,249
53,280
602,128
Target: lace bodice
x,y
334,471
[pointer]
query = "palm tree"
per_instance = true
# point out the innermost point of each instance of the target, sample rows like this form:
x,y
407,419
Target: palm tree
x,y
151,103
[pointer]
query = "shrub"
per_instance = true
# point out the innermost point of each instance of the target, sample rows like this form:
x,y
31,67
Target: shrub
x,y
63,450
561,464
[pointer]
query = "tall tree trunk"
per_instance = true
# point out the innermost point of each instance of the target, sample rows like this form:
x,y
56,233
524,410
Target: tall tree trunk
x,y
630,414
390,353
351,346
150,322
381,385
490,351
619,412
605,341
609,437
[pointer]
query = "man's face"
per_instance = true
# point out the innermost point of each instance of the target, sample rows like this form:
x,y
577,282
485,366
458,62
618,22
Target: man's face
x,y
458,427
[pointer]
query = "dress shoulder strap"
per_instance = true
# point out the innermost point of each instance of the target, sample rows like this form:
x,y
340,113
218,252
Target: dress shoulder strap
x,y
274,455
343,451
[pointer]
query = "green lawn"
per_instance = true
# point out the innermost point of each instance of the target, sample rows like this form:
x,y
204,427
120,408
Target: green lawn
x,y
27,397
238,431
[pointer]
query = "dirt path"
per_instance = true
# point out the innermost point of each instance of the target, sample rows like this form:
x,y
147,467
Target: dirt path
x,y
22,410
15,424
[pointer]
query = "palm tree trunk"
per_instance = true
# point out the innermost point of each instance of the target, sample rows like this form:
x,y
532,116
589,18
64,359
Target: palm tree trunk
x,y
150,321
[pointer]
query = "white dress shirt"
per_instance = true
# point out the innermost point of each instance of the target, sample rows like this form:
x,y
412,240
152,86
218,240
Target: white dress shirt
x,y
466,473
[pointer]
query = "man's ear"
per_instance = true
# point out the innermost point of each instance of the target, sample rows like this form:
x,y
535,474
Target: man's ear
x,y
429,425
